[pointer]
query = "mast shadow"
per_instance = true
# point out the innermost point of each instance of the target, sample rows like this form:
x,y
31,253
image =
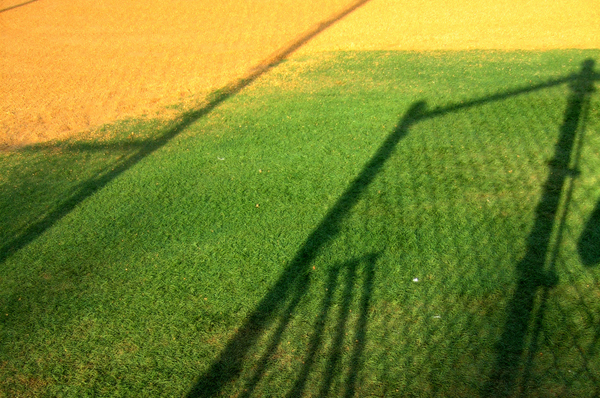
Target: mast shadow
x,y
294,281
537,270
278,305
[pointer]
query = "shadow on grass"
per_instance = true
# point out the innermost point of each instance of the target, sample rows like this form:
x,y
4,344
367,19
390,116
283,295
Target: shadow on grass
x,y
279,304
133,152
293,282
344,277
532,272
589,242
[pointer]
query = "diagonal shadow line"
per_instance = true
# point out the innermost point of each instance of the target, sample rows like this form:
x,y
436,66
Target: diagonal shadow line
x,y
92,186
147,147
531,273
17,6
229,364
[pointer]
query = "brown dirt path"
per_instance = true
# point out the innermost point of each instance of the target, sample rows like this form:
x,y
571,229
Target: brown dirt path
x,y
69,65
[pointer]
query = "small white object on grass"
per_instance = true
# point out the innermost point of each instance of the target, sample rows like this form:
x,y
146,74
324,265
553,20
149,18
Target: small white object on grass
x,y
415,279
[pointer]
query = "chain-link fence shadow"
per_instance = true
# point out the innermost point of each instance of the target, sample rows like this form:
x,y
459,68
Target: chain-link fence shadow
x,y
465,262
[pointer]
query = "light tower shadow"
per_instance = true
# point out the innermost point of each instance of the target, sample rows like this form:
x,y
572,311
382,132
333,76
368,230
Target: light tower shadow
x,y
275,309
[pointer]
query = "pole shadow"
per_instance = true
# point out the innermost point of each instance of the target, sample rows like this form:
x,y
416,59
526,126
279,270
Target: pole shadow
x,y
292,284
139,150
532,273
589,242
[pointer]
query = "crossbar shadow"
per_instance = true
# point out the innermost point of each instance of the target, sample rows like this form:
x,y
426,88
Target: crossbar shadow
x,y
139,150
292,283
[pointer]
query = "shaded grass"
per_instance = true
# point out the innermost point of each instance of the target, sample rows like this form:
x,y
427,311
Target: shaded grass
x,y
140,287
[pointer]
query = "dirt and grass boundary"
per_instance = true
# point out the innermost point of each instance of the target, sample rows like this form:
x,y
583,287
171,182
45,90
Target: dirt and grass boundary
x,y
71,66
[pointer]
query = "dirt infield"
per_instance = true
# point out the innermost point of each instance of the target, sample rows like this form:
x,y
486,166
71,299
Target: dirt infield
x,y
70,65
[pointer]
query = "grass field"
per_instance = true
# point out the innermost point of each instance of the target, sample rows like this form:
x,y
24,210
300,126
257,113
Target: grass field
x,y
348,224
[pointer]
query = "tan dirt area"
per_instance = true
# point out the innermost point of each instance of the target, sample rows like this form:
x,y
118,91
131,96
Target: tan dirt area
x,y
71,65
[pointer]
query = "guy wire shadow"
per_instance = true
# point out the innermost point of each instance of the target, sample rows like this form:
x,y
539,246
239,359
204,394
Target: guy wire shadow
x,y
147,147
293,282
17,6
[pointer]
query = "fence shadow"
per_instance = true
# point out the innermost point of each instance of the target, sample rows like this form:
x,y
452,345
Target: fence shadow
x,y
532,272
282,300
589,242
135,151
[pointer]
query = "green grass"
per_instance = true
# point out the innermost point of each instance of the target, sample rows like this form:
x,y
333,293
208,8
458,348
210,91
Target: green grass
x,y
268,245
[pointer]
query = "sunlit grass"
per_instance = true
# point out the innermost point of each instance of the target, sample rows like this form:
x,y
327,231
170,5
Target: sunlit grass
x,y
131,268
